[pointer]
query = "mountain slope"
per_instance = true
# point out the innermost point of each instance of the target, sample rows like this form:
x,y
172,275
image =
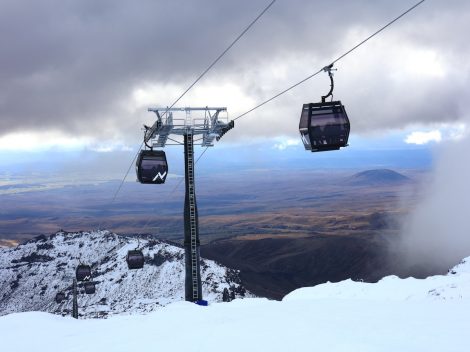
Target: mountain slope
x,y
453,286
394,315
273,267
32,273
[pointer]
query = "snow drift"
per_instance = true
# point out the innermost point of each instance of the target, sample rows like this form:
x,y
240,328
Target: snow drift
x,y
391,315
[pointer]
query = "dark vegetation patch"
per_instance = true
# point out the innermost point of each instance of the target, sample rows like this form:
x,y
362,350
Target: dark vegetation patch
x,y
33,258
15,283
45,246
159,258
274,267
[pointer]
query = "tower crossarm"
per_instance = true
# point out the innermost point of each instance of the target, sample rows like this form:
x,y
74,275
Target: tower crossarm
x,y
214,129
210,126
161,128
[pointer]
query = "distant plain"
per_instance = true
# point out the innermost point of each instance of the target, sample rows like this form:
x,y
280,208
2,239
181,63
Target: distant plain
x,y
282,229
254,204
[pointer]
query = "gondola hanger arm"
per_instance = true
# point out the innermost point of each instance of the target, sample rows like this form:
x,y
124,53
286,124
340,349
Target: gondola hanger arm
x,y
328,69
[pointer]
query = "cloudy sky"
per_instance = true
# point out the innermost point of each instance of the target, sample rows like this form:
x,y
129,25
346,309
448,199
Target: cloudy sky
x,y
77,77
81,74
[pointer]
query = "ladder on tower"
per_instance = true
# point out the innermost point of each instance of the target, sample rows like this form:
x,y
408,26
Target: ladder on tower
x,y
192,218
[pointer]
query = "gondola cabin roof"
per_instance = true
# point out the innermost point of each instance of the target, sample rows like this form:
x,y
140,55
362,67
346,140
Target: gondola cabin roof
x,y
151,167
324,126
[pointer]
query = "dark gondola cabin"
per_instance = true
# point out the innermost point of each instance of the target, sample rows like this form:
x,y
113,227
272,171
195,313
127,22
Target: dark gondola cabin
x,y
83,272
324,126
59,297
152,167
89,288
135,259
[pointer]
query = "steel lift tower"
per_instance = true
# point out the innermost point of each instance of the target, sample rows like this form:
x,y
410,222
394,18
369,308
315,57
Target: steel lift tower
x,y
207,126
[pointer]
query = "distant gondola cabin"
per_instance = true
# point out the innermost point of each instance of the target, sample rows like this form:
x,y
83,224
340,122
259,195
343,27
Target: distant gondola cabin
x,y
83,272
135,259
59,297
90,288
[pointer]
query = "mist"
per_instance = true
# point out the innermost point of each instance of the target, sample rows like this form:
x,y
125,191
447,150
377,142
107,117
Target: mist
x,y
436,234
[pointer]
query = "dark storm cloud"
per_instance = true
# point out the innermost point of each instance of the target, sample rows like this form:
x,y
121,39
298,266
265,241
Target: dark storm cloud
x,y
72,65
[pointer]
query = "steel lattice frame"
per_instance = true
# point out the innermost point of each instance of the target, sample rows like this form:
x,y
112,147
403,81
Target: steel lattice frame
x,y
211,127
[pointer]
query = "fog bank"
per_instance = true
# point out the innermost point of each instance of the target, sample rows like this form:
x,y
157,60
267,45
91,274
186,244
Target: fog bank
x,y
436,234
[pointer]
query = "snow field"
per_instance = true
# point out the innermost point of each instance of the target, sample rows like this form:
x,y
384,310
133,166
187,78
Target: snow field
x,y
253,325
393,315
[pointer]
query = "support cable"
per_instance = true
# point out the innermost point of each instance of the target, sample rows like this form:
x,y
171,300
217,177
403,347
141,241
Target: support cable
x,y
123,180
326,68
191,86
333,62
222,54
310,76
173,190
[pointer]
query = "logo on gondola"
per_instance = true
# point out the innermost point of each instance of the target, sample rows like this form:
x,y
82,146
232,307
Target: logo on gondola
x,y
159,176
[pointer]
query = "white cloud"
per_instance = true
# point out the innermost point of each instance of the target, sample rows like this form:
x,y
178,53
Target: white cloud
x,y
284,144
419,137
441,132
458,132
212,93
109,147
418,63
38,141
43,141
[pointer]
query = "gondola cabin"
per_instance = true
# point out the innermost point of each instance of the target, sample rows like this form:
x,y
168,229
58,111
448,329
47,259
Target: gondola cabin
x,y
83,272
324,126
135,259
59,297
152,167
90,288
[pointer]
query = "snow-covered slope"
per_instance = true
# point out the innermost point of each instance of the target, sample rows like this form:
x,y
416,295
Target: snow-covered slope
x,y
454,285
32,273
393,315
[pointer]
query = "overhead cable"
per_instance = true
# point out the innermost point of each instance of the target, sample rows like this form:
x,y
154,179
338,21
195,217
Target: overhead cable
x,y
317,72
294,85
333,62
192,85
